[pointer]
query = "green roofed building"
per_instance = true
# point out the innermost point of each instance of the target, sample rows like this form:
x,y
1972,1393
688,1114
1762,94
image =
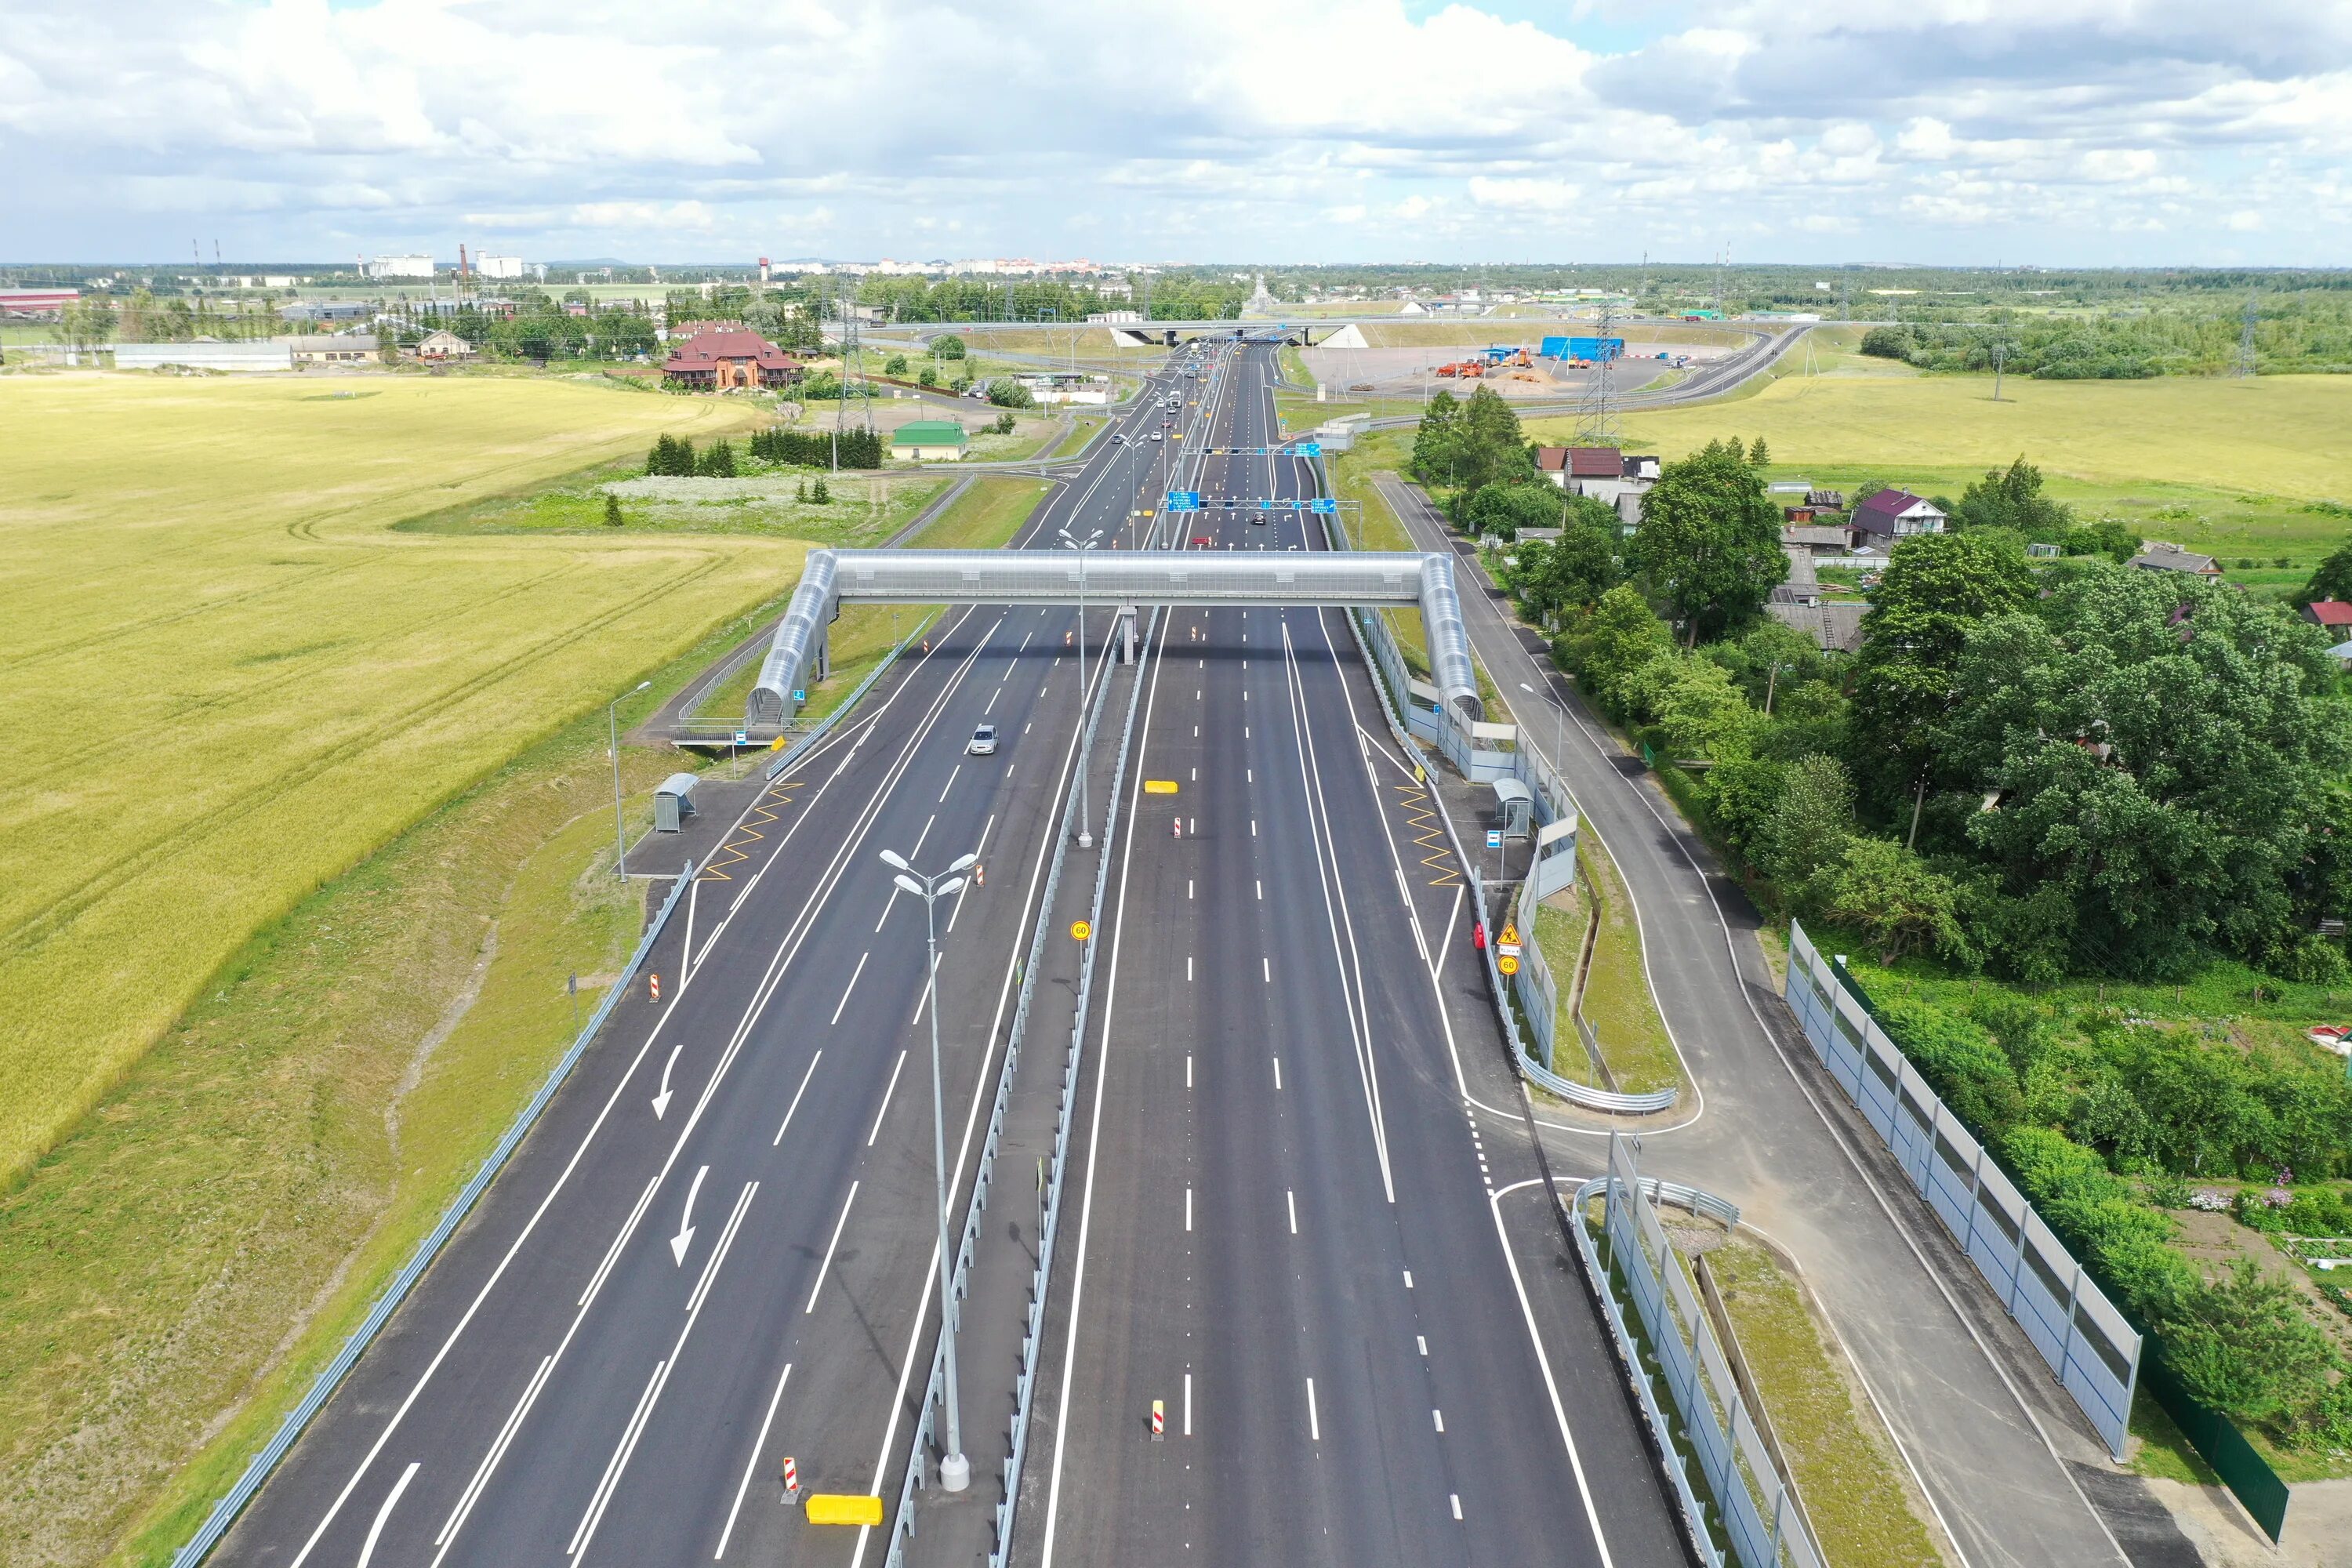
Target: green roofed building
x,y
929,441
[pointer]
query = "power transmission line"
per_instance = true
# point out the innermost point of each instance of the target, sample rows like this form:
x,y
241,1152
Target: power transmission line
x,y
2246,364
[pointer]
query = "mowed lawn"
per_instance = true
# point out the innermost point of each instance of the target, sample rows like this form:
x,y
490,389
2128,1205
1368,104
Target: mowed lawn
x,y
2280,434
228,680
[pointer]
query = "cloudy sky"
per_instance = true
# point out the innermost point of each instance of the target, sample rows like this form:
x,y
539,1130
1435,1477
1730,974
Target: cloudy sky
x,y
2059,132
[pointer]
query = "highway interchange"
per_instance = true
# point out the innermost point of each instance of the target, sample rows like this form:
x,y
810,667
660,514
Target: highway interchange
x,y
1309,1216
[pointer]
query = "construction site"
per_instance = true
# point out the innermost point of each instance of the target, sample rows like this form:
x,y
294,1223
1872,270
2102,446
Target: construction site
x,y
1547,365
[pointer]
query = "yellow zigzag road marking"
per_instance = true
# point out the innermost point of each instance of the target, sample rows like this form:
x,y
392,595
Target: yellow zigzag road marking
x,y
731,852
1428,834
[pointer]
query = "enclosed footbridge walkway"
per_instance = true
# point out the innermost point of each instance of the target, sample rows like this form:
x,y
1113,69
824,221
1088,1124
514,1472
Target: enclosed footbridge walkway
x,y
1124,578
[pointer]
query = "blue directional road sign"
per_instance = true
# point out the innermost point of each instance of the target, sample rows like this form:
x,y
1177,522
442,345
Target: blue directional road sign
x,y
1323,503
1309,449
1183,500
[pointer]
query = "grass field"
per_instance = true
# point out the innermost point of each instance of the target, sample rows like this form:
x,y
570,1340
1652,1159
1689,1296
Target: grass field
x,y
2226,467
231,679
1617,1000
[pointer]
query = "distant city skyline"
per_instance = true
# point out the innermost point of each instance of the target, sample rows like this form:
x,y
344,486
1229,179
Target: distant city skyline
x,y
2053,132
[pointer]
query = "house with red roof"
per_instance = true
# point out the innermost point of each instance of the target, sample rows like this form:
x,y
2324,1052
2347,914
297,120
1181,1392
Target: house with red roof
x,y
1604,473
1891,515
723,355
2336,615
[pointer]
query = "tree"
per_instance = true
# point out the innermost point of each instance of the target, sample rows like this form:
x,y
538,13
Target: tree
x,y
1936,587
2246,1346
1501,511
947,345
672,456
1607,647
612,510
1437,444
1744,793
1493,447
2012,499
1759,456
1007,392
1811,823
1572,572
926,376
717,462
2333,579
2163,755
1887,895
1693,702
1710,540
894,366
820,493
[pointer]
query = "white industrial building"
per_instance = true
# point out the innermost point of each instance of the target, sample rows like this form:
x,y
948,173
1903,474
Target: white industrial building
x,y
499,266
400,267
257,353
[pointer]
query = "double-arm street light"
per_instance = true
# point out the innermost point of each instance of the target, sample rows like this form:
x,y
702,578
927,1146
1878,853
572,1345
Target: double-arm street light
x,y
955,1471
613,728
1086,809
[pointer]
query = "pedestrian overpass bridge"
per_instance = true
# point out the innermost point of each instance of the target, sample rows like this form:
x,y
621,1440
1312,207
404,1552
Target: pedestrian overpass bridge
x,y
1139,577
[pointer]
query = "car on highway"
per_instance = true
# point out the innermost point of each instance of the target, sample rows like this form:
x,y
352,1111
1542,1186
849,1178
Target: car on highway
x,y
1116,440
982,742
1155,434
1201,540
1257,520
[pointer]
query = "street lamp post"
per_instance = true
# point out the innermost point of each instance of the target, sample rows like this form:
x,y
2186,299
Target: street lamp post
x,y
612,730
955,1471
1086,809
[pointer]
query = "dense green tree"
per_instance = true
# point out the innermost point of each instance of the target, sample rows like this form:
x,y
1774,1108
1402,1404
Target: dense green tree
x,y
1744,794
1890,898
717,460
1759,456
2333,579
1570,573
1501,511
1607,647
1810,824
1694,704
1007,392
1936,588
2245,1345
671,456
1437,443
894,366
1710,540
947,345
2162,755
2012,498
1494,449
612,510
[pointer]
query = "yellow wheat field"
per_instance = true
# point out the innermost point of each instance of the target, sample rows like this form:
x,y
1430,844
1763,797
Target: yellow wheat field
x,y
227,680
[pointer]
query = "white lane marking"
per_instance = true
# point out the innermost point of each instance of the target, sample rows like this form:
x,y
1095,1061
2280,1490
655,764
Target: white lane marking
x,y
1267,964
1188,1208
1261,892
1188,887
838,1225
1253,774
1188,1405
778,962
1187,1069
661,1101
1188,967
1457,1498
1033,724
1314,1425
1290,1202
1421,1342
1277,1072
1408,1279
1252,827
950,784
795,1105
496,1451
991,706
610,1483
1196,775
752,1464
851,986
685,1237
887,1092
1438,1418
384,1512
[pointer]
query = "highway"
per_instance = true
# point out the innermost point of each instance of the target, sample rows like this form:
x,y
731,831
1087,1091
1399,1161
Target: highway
x,y
718,1246
1312,1224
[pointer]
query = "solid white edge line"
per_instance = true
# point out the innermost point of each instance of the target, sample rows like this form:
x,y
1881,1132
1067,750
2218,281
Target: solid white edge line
x,y
751,1465
1551,1385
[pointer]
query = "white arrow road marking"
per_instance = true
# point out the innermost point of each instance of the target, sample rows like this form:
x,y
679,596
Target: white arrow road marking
x,y
685,1237
661,1101
384,1512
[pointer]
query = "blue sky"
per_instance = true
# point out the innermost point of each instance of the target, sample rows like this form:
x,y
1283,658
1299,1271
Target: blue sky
x,y
2057,132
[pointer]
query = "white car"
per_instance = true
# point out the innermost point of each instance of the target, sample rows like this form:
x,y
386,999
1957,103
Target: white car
x,y
1155,434
982,742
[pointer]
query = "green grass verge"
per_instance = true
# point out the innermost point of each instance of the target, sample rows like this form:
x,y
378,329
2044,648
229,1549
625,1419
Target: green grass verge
x,y
1617,1000
1845,1465
1561,935
2163,1450
182,1265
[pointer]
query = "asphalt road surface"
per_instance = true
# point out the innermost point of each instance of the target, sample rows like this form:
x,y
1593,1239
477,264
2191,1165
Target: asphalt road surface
x,y
1312,1224
718,1246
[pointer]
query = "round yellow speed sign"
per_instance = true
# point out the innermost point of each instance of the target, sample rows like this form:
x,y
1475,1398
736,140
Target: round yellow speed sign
x,y
1507,965
1081,929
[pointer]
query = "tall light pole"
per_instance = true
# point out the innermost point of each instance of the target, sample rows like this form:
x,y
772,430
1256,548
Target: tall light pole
x,y
1086,809
612,730
955,1471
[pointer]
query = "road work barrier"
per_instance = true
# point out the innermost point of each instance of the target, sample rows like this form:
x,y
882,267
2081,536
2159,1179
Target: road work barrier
x,y
1723,1471
2089,1344
322,1388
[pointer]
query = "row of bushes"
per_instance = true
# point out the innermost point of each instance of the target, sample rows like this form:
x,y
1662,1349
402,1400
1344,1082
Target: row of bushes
x,y
853,448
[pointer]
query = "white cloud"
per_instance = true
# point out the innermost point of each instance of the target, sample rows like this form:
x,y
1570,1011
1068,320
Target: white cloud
x,y
2050,127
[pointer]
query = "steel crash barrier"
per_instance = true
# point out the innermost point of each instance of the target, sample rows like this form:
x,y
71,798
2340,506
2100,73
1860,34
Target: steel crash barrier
x,y
2090,1346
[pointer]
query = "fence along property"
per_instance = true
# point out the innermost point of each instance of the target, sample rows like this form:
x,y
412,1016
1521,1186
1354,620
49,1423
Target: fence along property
x,y
2090,1346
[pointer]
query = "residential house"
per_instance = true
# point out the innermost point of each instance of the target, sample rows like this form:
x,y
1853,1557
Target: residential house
x,y
2159,556
1835,625
1890,515
443,344
1813,538
2333,614
1825,501
929,441
1615,479
723,356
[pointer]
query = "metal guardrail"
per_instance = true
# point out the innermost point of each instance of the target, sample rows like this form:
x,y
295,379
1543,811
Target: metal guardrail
x,y
902,1526
233,1502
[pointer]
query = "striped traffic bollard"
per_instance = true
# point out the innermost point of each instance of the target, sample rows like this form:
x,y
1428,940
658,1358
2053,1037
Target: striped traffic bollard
x,y
791,1481
1159,1419
653,986
1180,827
